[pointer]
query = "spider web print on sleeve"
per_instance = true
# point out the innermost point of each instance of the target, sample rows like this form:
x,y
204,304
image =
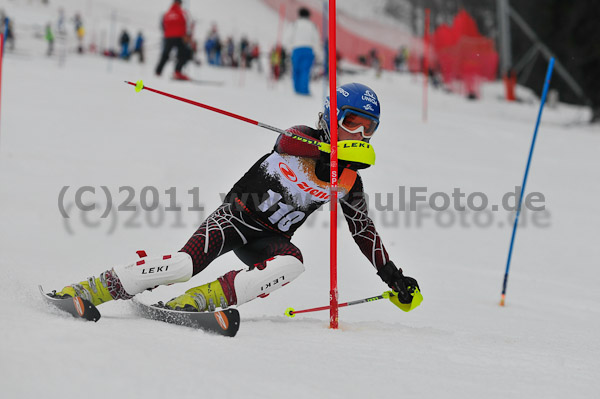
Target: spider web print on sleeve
x,y
364,233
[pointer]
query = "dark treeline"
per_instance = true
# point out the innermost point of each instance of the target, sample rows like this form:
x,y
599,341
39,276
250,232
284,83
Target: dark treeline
x,y
571,29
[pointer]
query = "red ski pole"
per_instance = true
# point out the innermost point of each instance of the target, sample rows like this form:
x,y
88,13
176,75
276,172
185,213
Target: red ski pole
x,y
391,295
139,86
290,312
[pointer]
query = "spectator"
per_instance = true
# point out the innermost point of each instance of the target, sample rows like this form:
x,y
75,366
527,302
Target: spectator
x,y
375,61
79,31
275,61
60,24
254,55
193,46
283,58
400,59
217,49
124,42
229,59
7,31
49,36
304,42
139,47
213,47
175,30
244,51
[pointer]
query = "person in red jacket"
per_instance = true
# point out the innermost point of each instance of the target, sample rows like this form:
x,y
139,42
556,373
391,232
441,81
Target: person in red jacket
x,y
175,30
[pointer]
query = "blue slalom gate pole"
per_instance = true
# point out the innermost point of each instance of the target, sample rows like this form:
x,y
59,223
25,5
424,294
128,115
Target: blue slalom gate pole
x,y
537,125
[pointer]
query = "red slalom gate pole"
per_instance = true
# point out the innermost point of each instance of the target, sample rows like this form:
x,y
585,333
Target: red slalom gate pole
x,y
333,292
425,63
1,59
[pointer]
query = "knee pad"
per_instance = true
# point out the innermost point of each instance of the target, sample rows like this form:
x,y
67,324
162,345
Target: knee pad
x,y
254,282
150,272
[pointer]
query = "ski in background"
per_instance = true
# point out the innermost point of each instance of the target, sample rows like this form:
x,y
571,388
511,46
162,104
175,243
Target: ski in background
x,y
201,82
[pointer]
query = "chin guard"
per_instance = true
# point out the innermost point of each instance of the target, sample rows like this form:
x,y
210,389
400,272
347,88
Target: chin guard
x,y
355,151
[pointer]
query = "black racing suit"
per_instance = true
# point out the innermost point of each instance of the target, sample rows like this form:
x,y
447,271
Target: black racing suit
x,y
274,198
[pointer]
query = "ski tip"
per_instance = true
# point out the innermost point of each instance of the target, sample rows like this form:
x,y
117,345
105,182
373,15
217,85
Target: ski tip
x,y
76,306
44,293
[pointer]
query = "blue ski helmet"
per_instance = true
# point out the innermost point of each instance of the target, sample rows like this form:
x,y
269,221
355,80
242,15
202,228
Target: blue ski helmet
x,y
356,97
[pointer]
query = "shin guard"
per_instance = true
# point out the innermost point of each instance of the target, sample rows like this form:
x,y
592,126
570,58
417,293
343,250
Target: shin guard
x,y
150,272
258,282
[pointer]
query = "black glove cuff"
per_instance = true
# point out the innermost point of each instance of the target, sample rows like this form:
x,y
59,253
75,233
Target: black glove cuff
x,y
389,273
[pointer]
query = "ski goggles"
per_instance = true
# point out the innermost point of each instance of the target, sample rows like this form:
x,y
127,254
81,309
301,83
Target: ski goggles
x,y
356,122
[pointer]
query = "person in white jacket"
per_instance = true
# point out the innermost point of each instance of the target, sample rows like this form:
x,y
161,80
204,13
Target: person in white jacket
x,y
305,41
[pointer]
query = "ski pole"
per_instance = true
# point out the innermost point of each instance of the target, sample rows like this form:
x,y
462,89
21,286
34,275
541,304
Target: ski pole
x,y
290,312
139,86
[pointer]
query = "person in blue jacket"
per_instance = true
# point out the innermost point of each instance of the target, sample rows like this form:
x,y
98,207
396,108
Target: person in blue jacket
x,y
304,41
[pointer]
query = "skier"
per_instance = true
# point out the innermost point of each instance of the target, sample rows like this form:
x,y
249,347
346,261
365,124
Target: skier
x,y
176,34
259,216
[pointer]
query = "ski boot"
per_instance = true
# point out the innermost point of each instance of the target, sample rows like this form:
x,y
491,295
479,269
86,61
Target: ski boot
x,y
180,76
200,299
94,289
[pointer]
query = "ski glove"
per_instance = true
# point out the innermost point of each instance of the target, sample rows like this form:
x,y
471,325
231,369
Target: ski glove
x,y
398,282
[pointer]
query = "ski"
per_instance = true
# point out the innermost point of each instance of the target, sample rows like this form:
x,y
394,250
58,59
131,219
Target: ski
x,y
76,306
225,322
201,82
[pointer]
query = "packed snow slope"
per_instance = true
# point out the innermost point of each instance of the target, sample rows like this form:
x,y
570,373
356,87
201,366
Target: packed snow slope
x,y
79,125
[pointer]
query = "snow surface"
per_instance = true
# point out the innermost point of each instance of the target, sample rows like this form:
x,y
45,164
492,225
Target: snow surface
x,y
80,125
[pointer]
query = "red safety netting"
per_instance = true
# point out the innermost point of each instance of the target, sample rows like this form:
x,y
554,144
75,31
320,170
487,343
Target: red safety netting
x,y
352,44
463,55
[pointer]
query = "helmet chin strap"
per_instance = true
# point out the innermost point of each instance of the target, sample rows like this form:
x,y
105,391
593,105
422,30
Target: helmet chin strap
x,y
323,125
